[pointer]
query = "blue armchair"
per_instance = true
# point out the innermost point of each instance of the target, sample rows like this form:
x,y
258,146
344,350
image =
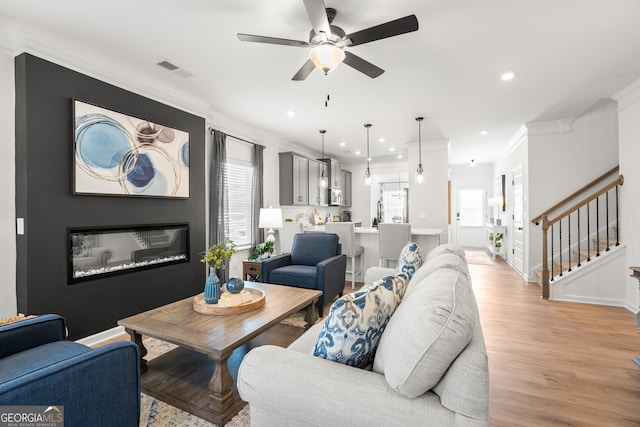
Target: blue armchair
x,y
315,262
95,387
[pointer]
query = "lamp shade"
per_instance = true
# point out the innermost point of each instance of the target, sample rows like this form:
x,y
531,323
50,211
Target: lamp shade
x,y
327,57
270,218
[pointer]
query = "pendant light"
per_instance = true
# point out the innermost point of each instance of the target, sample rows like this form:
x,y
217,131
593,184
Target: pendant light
x,y
367,174
323,178
419,177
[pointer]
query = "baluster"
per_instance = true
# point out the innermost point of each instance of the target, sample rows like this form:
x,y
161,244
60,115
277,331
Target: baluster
x,y
569,241
579,253
607,218
617,223
552,274
598,226
559,246
588,233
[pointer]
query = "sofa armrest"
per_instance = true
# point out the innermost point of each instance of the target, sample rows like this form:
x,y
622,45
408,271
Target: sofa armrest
x,y
270,264
289,388
99,387
331,272
29,333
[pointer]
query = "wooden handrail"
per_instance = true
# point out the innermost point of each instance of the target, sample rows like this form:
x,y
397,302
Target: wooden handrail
x,y
619,181
575,194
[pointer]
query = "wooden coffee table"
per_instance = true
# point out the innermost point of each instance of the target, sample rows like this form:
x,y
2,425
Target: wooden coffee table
x,y
198,376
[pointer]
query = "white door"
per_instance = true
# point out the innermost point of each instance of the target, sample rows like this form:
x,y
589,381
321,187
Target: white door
x,y
470,216
518,219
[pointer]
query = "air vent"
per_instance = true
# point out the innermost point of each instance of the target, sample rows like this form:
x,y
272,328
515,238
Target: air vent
x,y
167,65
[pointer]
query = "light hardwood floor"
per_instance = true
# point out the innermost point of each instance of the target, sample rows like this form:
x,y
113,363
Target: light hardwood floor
x,y
555,363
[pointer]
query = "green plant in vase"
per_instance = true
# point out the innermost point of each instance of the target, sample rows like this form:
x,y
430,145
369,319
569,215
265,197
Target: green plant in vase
x,y
498,238
215,256
261,250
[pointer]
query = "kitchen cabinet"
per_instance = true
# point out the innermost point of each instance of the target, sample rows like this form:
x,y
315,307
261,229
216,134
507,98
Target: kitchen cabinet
x,y
335,167
318,196
346,188
294,179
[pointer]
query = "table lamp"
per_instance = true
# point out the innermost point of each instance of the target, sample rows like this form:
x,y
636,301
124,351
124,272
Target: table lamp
x,y
270,218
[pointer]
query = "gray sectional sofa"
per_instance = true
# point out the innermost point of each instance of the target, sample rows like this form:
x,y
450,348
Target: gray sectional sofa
x,y
430,367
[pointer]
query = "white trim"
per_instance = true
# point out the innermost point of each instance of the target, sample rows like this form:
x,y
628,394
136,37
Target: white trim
x,y
559,126
100,337
628,96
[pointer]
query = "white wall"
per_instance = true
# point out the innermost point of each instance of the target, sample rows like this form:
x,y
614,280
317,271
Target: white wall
x,y
563,156
7,186
629,135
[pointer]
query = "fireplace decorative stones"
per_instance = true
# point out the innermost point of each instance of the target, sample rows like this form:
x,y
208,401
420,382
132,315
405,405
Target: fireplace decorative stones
x,y
97,252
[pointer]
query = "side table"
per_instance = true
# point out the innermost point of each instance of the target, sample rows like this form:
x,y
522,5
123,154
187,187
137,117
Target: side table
x,y
252,270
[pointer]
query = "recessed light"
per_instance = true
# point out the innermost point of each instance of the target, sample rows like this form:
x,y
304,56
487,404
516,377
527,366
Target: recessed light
x,y
399,156
342,144
392,149
484,132
381,140
357,152
507,75
291,113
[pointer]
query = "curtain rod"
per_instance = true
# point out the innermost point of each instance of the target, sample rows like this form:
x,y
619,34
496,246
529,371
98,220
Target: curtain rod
x,y
235,137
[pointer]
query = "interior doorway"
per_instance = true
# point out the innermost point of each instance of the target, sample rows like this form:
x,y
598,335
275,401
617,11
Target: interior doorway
x,y
470,216
518,219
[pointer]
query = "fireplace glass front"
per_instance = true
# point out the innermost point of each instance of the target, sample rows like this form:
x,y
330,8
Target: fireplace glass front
x,y
100,252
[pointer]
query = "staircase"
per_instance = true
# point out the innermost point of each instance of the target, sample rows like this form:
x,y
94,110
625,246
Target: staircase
x,y
580,243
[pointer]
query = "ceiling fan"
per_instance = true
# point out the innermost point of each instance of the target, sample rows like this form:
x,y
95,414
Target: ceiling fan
x,y
328,41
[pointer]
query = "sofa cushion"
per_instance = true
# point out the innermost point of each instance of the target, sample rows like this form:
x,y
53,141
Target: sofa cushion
x,y
444,260
410,259
446,248
355,322
431,326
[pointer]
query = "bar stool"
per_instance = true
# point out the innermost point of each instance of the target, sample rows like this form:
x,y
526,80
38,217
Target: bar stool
x,y
347,238
392,237
286,234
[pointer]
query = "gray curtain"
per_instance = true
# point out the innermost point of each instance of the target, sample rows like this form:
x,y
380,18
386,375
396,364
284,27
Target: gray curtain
x,y
218,202
257,194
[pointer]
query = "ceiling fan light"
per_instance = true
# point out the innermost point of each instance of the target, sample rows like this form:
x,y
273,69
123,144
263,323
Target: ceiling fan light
x,y
327,57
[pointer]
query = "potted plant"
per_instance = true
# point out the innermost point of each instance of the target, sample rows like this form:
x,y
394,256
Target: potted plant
x,y
498,237
263,250
215,256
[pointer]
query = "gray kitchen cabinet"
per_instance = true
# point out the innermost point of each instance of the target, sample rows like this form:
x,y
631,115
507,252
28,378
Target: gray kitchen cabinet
x,y
294,179
346,188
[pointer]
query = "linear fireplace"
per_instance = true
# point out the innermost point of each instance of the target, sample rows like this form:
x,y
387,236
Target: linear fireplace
x,y
97,252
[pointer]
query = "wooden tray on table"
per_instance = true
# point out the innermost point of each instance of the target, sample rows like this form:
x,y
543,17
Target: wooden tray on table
x,y
248,299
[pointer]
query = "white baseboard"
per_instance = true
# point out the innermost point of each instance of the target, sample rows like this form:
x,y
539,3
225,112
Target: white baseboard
x,y
95,339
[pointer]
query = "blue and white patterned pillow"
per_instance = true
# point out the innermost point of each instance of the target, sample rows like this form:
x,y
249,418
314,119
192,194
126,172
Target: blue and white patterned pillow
x,y
410,259
353,327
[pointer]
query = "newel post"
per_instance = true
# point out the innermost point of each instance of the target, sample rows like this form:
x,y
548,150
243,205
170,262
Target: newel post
x,y
545,263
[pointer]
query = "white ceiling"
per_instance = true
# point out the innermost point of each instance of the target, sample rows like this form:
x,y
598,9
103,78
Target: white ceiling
x,y
566,54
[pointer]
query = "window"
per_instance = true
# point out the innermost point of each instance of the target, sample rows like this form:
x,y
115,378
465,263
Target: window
x,y
240,196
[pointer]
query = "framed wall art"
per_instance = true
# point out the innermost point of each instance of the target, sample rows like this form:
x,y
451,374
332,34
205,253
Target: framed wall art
x,y
120,155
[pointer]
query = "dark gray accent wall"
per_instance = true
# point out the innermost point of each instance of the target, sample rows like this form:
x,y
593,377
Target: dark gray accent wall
x,y
44,160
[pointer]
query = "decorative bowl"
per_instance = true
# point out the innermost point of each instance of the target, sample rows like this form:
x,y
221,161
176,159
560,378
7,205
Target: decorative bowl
x,y
235,285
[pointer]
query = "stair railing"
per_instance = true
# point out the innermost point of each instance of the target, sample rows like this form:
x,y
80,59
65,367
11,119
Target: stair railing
x,y
550,238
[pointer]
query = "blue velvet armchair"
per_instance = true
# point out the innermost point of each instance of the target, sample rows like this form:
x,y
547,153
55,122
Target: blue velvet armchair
x,y
95,387
315,262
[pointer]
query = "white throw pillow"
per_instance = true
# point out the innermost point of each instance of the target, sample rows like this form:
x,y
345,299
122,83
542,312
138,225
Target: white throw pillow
x,y
355,322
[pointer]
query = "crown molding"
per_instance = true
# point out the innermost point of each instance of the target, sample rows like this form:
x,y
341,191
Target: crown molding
x,y
558,126
628,96
22,39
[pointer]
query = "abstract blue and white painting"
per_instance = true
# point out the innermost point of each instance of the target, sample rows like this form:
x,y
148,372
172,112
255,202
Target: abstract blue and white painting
x,y
116,154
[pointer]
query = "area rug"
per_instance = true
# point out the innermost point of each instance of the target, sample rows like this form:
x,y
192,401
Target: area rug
x,y
156,413
478,257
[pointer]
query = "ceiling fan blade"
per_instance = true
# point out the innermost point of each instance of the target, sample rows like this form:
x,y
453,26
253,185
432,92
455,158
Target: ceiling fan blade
x,y
361,65
304,72
382,31
271,40
318,16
